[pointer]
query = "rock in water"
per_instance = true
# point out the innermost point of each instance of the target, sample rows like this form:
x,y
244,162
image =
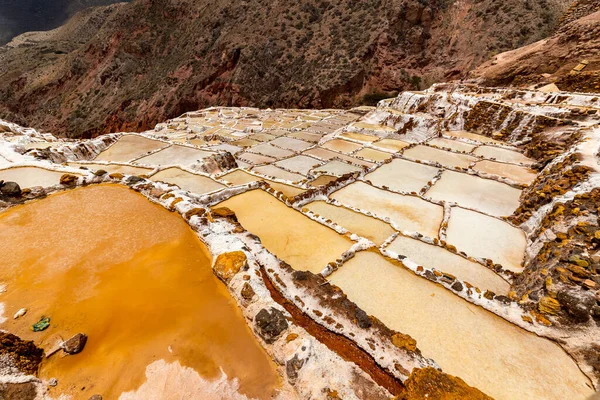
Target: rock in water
x,y
75,344
20,313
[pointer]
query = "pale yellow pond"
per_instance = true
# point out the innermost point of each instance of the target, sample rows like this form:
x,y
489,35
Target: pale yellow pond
x,y
503,360
293,237
28,177
129,147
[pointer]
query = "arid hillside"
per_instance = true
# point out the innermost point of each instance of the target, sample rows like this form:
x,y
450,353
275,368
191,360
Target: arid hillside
x,y
129,66
570,59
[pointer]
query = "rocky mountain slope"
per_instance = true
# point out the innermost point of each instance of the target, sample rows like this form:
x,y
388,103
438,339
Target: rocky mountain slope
x,y
19,16
129,66
579,9
569,59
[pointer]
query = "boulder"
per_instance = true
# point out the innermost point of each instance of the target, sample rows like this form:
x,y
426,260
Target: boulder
x,y
548,305
229,264
362,319
270,324
292,366
68,180
300,275
457,286
75,344
132,180
20,391
247,292
11,189
429,383
403,341
224,212
577,303
550,88
116,175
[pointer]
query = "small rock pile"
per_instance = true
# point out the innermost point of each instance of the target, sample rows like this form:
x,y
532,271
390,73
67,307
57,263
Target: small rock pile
x,y
557,181
579,9
23,355
586,81
564,277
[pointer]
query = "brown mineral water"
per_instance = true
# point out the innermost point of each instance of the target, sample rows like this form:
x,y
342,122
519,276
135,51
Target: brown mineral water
x,y
105,261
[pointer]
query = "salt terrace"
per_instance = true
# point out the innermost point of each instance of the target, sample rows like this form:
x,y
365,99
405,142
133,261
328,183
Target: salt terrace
x,y
440,241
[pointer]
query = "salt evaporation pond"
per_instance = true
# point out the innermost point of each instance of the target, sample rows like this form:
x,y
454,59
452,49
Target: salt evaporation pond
x,y
306,136
175,155
513,172
300,164
326,155
136,279
431,256
503,155
499,358
343,146
391,145
255,159
293,237
239,177
371,228
403,175
483,236
489,196
267,149
322,180
187,181
451,144
445,158
278,173
471,136
360,137
129,147
291,144
408,213
373,155
28,177
337,168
